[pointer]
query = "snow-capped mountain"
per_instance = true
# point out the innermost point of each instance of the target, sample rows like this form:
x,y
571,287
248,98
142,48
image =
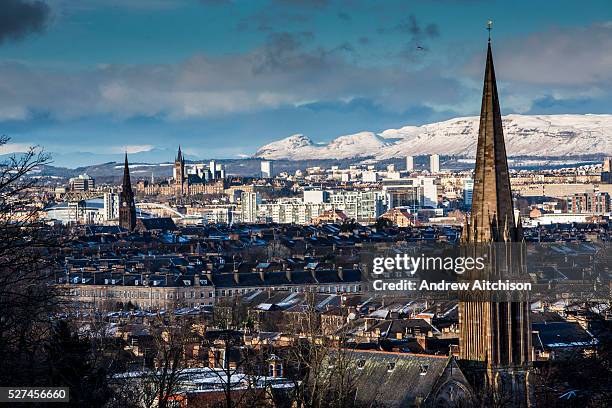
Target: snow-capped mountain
x,y
299,147
537,135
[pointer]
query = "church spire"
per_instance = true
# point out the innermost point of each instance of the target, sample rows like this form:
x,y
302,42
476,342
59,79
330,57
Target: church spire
x,y
126,174
492,216
127,209
179,156
494,328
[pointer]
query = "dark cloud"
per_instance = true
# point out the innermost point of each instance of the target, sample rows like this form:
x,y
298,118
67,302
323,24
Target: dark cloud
x,y
304,3
267,19
417,36
282,51
346,46
18,18
344,16
410,25
364,40
215,2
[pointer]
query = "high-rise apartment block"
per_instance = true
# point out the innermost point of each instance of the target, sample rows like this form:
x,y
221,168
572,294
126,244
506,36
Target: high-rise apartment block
x,y
468,191
434,163
249,202
409,163
111,206
267,169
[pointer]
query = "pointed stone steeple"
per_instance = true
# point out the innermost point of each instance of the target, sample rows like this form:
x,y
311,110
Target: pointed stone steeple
x,y
126,174
495,330
127,205
179,156
492,216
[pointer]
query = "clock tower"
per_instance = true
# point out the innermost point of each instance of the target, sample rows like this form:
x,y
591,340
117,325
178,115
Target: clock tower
x,y
127,205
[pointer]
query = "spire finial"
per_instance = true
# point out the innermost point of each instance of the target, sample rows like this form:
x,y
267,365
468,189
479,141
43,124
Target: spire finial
x,y
489,28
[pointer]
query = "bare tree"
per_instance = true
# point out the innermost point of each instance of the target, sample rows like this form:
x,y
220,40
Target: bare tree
x,y
238,369
321,367
27,251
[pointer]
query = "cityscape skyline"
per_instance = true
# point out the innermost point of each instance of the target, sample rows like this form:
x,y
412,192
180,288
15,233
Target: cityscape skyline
x,y
462,263
220,83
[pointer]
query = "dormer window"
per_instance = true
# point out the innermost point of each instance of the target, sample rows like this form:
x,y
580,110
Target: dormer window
x,y
423,369
360,364
390,366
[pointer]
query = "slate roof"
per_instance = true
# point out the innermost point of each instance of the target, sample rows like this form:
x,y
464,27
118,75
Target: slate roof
x,y
394,379
162,223
280,278
389,328
555,335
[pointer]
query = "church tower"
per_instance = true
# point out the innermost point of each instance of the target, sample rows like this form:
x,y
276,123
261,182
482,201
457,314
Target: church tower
x,y
179,173
495,332
127,209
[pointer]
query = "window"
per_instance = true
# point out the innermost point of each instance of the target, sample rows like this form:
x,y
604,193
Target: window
x,y
390,366
360,364
423,369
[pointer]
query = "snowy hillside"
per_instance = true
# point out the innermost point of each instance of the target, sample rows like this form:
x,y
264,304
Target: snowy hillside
x,y
538,135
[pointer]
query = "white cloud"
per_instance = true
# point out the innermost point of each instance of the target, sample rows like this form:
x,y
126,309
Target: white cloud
x,y
286,72
9,148
132,149
280,73
575,56
13,112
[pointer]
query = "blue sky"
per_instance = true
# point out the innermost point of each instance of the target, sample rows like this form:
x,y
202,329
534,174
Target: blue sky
x,y
223,77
